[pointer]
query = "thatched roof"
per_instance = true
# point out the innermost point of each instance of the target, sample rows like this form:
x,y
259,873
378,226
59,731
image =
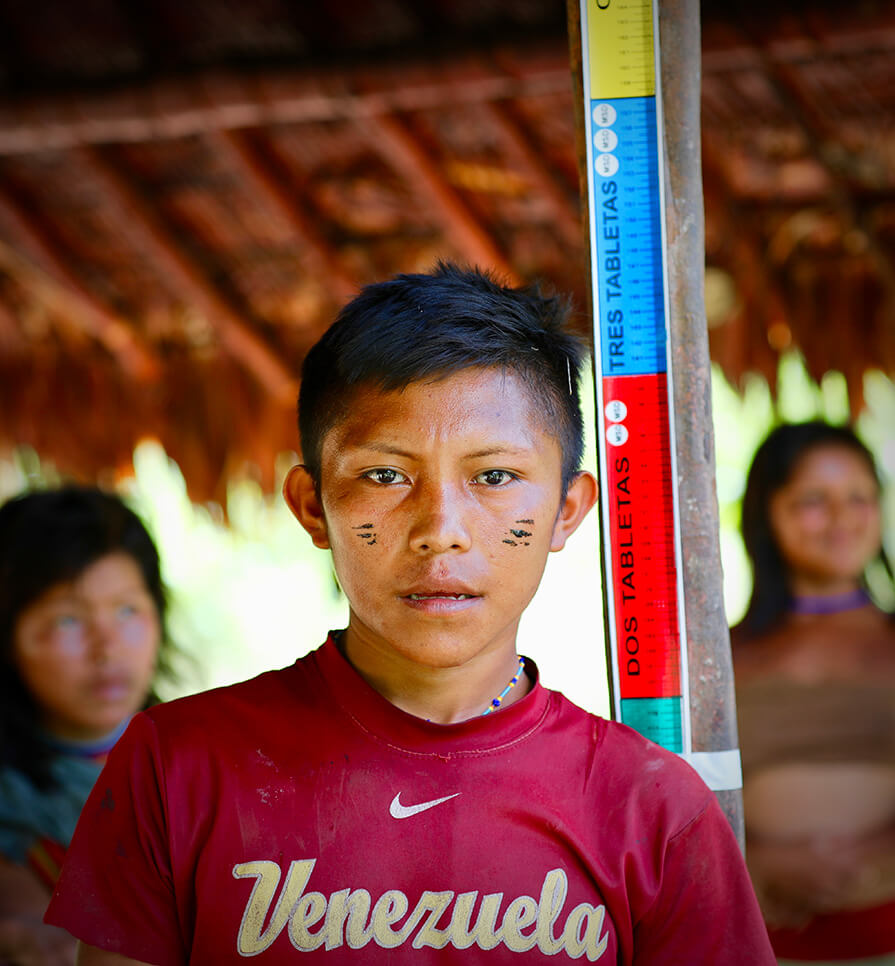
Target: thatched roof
x,y
188,191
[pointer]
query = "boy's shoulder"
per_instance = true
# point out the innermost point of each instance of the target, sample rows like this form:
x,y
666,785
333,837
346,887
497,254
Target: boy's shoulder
x,y
639,774
613,736
267,692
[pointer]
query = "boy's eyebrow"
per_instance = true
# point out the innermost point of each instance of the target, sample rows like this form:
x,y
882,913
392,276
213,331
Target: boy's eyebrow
x,y
496,451
389,448
500,449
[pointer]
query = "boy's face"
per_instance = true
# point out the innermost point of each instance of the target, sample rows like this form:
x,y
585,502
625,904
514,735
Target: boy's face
x,y
440,504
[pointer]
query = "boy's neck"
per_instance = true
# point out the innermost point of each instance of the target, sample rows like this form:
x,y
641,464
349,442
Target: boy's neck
x,y
444,695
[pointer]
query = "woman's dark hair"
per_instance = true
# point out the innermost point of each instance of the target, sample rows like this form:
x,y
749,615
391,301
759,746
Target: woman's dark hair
x,y
47,537
772,467
416,327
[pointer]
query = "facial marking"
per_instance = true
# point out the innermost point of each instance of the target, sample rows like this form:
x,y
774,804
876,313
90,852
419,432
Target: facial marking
x,y
366,533
520,535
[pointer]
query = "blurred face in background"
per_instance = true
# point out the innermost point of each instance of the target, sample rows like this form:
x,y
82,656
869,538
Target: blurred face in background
x,y
826,520
86,649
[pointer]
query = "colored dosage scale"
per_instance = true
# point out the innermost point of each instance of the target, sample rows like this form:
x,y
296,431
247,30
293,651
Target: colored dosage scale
x,y
628,239
631,336
642,564
619,37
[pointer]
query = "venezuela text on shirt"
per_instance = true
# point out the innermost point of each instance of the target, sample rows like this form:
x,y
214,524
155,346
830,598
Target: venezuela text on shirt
x,y
350,917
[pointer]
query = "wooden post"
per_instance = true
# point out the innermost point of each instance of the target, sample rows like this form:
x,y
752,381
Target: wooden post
x,y
712,707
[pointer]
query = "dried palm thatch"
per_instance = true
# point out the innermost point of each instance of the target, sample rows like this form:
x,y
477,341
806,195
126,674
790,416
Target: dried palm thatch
x,y
188,192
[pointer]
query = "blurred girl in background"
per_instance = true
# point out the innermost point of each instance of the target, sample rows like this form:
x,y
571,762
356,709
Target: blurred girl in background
x,y
814,662
82,636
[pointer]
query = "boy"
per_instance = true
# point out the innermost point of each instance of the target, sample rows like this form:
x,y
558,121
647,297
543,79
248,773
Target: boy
x,y
409,793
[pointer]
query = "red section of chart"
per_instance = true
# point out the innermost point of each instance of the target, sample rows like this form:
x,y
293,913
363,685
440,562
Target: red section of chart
x,y
641,526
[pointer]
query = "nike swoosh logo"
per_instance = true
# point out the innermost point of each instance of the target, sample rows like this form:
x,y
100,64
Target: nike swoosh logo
x,y
397,810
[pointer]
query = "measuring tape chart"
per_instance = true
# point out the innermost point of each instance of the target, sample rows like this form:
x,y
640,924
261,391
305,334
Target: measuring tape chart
x,y
634,415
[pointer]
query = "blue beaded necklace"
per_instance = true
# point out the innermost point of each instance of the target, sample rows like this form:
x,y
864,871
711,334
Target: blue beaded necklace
x,y
496,703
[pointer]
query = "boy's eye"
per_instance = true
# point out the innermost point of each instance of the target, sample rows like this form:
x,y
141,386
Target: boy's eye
x,y
385,475
494,477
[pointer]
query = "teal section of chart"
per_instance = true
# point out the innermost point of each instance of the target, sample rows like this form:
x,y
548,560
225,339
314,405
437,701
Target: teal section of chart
x,y
626,203
658,719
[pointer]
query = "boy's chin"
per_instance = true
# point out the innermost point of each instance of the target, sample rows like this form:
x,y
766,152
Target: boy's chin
x,y
446,651
418,638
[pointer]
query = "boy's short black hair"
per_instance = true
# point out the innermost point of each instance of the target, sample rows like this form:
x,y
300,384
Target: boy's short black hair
x,y
428,326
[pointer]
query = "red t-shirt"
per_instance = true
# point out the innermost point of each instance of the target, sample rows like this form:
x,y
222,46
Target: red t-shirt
x,y
300,812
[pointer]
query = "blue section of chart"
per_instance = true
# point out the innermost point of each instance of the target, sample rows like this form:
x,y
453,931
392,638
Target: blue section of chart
x,y
627,208
658,719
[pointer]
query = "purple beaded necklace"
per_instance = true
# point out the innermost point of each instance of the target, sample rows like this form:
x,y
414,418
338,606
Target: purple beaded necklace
x,y
829,604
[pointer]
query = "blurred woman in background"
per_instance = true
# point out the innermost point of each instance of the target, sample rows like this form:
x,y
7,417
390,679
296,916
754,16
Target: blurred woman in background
x,y
814,663
82,636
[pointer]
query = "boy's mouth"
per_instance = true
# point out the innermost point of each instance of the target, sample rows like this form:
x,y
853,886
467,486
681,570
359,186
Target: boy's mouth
x,y
441,601
441,596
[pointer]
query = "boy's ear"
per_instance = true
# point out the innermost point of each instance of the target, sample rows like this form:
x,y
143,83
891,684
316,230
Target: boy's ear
x,y
301,496
580,497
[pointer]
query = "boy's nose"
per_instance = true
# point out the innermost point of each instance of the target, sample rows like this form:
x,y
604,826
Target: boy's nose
x,y
439,525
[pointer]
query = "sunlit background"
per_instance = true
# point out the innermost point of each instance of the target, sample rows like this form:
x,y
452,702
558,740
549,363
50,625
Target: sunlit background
x,y
249,592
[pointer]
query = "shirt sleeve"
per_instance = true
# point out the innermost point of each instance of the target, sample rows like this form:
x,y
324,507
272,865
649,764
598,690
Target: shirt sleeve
x,y
116,887
705,912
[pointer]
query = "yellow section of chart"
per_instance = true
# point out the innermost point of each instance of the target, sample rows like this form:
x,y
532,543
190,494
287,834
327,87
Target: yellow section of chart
x,y
620,48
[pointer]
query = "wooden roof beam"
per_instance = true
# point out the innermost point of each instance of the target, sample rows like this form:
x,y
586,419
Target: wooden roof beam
x,y
391,138
745,258
256,172
139,223
42,270
525,156
785,85
772,55
12,339
230,102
